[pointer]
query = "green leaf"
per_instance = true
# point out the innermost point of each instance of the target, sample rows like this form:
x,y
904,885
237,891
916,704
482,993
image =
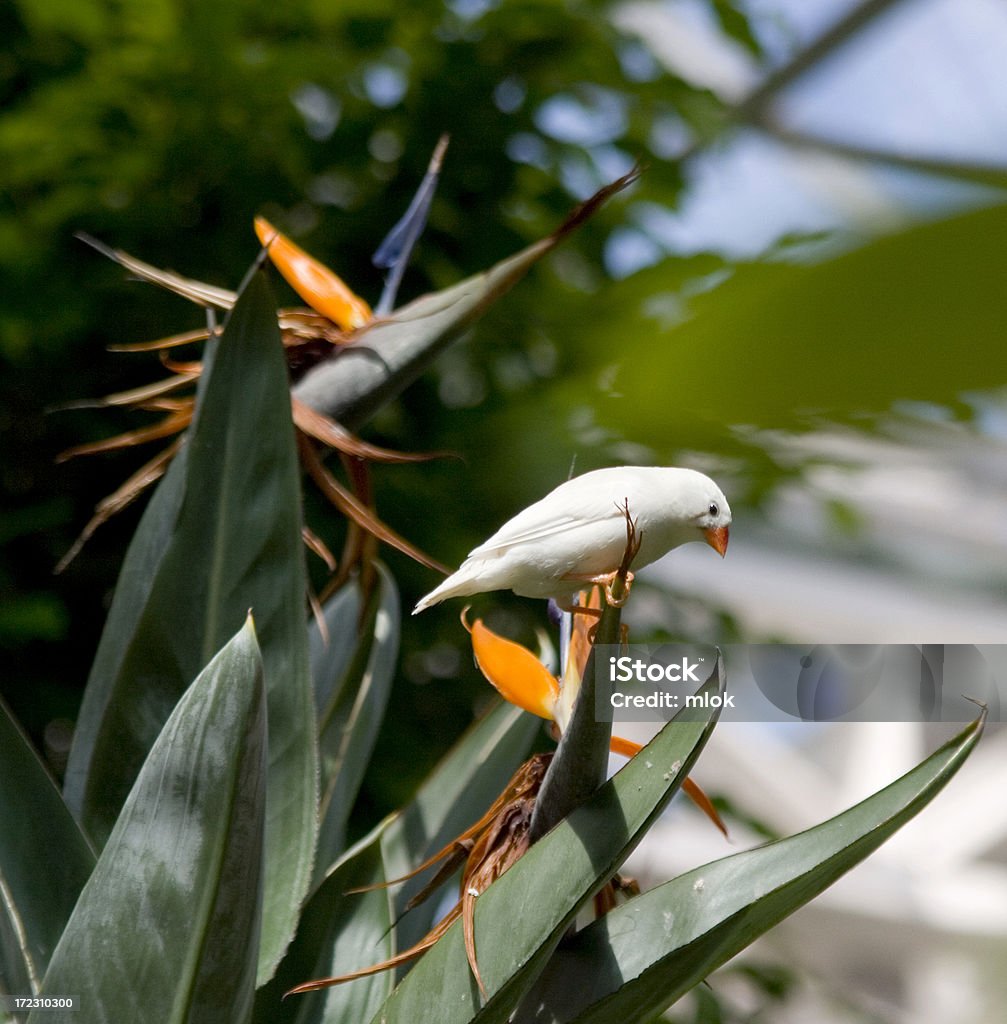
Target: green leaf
x,y
44,862
521,917
862,332
734,24
351,701
329,656
637,960
339,933
132,591
236,546
167,927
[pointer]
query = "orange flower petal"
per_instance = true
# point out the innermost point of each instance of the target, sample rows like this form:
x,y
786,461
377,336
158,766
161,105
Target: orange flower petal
x,y
517,674
694,791
623,747
320,288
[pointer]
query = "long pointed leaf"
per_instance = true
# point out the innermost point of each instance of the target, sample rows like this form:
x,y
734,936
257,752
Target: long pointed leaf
x,y
139,570
132,592
237,545
337,932
521,917
637,960
351,715
331,649
44,862
167,926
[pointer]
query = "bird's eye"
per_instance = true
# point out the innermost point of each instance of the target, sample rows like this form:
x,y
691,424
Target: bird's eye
x,y
714,510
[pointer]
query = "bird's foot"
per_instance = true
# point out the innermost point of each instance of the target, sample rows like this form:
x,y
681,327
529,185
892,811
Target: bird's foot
x,y
624,579
615,584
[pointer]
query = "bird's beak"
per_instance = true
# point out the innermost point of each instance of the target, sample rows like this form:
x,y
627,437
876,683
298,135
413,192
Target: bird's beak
x,y
717,537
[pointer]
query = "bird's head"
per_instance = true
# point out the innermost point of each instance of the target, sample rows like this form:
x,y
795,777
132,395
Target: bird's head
x,y
710,512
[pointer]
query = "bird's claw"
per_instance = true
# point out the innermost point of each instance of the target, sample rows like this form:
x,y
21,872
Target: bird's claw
x,y
622,575
607,581
623,597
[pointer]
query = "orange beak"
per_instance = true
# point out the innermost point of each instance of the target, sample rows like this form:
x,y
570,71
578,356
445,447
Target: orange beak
x,y
717,538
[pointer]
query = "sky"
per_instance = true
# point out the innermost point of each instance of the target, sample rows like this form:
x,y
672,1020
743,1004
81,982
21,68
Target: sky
x,y
927,78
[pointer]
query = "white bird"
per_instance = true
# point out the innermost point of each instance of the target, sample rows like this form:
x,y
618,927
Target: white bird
x,y
576,534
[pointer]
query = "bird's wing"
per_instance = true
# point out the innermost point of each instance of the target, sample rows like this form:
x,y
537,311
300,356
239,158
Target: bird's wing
x,y
567,508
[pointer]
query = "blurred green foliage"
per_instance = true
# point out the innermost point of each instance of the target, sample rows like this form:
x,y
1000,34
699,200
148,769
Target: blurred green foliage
x,y
163,127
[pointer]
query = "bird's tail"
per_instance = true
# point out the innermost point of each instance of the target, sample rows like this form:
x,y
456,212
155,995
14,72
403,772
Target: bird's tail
x,y
460,584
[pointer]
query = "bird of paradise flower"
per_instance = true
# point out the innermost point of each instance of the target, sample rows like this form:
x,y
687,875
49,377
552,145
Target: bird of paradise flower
x,y
335,318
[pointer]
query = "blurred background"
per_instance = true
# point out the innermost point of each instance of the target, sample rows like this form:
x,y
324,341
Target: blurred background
x,y
803,297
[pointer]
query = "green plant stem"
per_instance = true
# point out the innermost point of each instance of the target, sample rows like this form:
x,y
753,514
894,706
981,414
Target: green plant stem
x,y
581,760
